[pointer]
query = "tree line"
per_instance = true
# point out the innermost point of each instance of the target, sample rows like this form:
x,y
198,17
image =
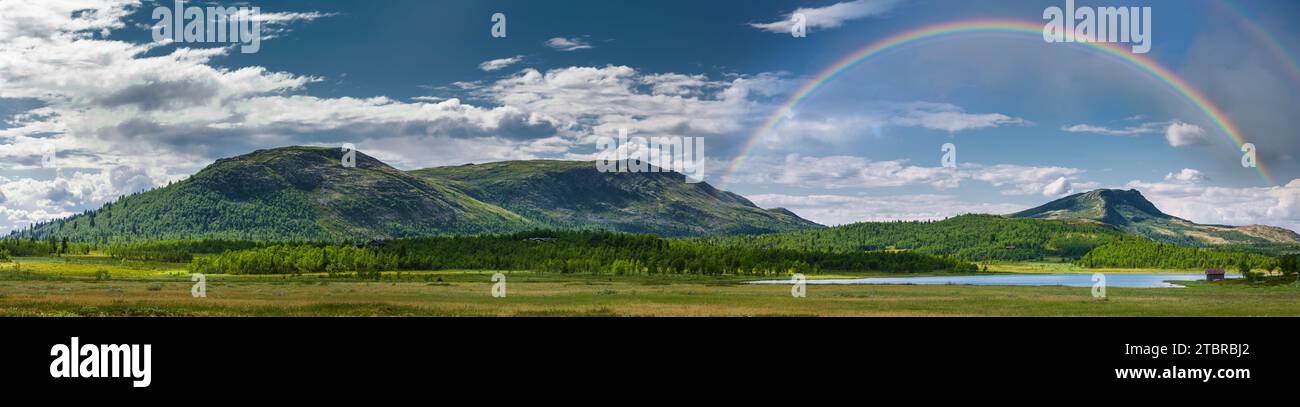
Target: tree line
x,y
595,252
970,237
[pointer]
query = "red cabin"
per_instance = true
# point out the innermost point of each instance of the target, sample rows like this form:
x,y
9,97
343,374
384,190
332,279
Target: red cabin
x,y
1214,274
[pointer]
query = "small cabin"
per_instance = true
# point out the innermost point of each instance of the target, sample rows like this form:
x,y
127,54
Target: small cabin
x,y
1214,274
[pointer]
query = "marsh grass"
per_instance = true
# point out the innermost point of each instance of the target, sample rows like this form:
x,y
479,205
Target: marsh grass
x,y
49,289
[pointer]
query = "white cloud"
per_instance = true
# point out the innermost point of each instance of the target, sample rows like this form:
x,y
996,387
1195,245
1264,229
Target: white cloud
x,y
1057,188
568,44
31,200
497,64
847,127
1027,180
950,118
1186,195
27,20
677,84
1141,129
842,172
830,16
1181,134
1177,133
856,172
594,101
843,209
1186,175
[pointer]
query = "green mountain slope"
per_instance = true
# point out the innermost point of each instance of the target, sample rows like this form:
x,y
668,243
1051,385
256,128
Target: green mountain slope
x,y
305,193
294,193
572,194
1130,212
1070,228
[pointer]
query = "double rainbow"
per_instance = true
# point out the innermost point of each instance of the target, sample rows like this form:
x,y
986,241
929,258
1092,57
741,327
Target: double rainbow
x,y
1144,63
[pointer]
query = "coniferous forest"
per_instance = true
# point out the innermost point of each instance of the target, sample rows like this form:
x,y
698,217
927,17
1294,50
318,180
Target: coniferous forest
x,y
970,237
1132,252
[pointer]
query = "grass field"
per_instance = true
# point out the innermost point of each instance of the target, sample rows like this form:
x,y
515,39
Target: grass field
x,y
69,287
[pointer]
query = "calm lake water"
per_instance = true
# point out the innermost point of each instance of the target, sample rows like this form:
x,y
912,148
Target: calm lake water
x,y
1134,280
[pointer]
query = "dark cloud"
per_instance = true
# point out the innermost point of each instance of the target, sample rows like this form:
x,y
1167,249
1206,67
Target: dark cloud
x,y
159,95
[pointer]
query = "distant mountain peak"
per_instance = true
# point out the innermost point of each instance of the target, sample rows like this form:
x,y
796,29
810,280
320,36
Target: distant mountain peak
x,y
1110,206
1131,212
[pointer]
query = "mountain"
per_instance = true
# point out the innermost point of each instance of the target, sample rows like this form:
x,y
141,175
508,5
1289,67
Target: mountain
x,y
293,193
305,193
1067,228
1131,212
573,194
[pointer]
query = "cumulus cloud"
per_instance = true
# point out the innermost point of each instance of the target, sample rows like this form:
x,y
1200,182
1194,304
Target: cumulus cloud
x,y
598,101
568,44
1186,175
842,209
1187,195
498,64
830,16
843,172
1180,134
33,200
838,127
1058,187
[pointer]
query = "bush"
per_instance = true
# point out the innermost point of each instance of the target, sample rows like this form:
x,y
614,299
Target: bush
x,y
1289,264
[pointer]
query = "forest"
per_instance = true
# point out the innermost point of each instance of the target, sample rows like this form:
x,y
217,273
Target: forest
x,y
970,237
1131,252
592,252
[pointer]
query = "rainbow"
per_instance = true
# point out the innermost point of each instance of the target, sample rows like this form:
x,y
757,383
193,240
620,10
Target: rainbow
x,y
1269,41
1144,63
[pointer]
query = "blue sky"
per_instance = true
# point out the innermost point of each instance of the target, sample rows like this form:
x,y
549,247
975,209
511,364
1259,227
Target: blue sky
x,y
423,83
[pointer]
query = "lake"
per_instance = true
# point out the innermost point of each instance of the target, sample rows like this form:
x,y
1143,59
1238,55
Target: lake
x,y
1132,280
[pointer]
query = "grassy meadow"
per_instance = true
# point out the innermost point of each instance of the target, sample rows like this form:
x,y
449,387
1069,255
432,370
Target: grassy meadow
x,y
100,286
